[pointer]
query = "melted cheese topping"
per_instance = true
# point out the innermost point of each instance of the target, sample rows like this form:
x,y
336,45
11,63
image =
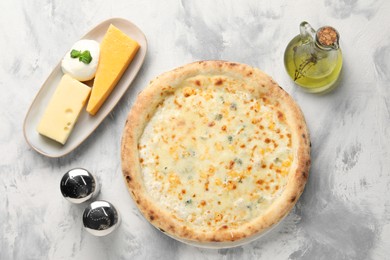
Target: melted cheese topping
x,y
213,155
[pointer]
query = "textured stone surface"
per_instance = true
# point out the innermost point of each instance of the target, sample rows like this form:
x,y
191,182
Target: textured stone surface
x,y
344,212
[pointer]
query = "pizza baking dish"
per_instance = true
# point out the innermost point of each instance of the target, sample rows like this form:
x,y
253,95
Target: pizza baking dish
x,y
215,152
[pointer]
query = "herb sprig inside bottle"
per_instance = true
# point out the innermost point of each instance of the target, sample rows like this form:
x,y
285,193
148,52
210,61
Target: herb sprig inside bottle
x,y
84,56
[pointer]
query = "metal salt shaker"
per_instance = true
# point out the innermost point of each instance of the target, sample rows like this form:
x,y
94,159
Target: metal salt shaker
x,y
100,218
79,185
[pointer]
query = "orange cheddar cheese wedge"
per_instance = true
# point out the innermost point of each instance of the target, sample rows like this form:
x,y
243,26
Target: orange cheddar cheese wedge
x,y
117,50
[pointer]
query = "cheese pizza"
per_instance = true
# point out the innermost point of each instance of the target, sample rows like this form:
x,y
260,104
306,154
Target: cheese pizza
x,y
215,151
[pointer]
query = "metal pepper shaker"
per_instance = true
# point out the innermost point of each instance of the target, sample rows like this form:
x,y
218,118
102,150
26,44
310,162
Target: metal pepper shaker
x,y
100,218
79,185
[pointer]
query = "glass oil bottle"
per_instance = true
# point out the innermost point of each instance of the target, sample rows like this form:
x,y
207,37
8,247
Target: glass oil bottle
x,y
313,59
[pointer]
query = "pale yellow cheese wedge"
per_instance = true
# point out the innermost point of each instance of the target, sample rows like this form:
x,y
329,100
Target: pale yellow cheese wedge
x,y
63,109
116,52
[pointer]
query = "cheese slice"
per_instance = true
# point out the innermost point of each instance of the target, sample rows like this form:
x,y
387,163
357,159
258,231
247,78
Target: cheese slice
x,y
116,52
63,110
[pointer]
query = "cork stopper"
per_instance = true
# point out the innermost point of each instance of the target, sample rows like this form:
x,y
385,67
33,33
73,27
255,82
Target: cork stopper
x,y
328,37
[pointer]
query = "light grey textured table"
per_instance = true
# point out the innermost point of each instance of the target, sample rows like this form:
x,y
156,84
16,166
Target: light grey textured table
x,y
344,212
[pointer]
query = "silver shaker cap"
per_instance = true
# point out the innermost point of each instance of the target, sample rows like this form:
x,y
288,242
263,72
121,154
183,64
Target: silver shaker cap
x,y
100,218
79,185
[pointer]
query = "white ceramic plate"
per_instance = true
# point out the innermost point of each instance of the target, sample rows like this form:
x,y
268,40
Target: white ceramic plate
x,y
86,124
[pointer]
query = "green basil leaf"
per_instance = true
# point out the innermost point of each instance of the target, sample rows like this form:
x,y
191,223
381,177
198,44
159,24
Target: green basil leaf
x,y
85,57
75,53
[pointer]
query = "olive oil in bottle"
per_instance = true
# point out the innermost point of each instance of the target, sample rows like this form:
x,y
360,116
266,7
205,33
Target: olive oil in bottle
x,y
313,59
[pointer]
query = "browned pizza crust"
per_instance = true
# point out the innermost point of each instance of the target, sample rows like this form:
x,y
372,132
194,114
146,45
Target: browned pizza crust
x,y
258,84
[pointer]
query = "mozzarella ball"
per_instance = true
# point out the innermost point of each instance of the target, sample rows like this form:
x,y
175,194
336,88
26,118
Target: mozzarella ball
x,y
78,69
